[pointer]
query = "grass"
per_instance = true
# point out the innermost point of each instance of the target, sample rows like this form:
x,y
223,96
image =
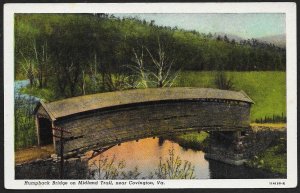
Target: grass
x,y
266,88
192,140
273,159
33,153
198,138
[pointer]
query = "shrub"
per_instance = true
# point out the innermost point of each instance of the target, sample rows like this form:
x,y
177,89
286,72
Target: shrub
x,y
222,81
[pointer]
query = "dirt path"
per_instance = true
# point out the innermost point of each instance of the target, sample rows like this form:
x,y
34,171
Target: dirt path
x,y
270,126
32,153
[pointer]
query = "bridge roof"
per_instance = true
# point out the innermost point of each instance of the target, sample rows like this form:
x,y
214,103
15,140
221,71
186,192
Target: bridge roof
x,y
86,103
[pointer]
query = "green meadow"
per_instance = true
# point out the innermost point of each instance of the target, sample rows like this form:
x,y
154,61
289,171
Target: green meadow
x,y
266,88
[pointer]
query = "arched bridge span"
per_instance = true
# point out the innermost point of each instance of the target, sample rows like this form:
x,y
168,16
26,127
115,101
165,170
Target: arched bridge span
x,y
106,119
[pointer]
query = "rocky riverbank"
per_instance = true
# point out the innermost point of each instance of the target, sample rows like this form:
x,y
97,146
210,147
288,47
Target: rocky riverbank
x,y
263,147
49,168
273,151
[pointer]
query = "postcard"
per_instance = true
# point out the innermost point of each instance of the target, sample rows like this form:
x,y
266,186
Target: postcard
x,y
150,95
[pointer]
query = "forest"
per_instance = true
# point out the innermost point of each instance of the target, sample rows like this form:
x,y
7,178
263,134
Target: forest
x,y
77,54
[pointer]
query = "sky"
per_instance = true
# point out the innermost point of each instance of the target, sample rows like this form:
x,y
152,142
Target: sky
x,y
244,25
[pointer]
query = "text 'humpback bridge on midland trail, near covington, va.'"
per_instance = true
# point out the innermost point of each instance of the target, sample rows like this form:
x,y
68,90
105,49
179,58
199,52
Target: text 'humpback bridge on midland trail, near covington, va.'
x,y
92,122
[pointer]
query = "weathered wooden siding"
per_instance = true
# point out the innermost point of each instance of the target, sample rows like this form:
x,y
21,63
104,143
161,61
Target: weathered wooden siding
x,y
107,127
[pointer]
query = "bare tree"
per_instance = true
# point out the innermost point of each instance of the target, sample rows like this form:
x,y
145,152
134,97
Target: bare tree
x,y
94,74
139,69
83,82
28,68
41,60
35,62
161,75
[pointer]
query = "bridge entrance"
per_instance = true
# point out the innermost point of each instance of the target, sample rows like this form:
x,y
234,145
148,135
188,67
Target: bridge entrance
x,y
45,130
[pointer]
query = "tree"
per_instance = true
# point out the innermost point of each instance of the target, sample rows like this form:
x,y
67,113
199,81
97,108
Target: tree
x,y
139,69
159,73
32,51
162,73
42,61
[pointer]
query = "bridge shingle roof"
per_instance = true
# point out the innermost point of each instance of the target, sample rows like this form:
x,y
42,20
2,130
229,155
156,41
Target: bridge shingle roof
x,y
86,103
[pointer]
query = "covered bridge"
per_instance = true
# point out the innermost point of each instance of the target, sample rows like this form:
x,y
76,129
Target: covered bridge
x,y
104,119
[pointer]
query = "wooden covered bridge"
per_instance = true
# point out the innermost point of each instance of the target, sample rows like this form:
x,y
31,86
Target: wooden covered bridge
x,y
100,120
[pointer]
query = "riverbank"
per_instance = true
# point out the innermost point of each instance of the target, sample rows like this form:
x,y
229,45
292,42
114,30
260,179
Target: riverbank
x,y
274,157
265,146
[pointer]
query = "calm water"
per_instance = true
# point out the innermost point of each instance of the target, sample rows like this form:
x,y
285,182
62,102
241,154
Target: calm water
x,y
146,153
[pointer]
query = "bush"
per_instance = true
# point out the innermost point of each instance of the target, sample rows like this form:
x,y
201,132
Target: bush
x,y
222,81
174,168
109,168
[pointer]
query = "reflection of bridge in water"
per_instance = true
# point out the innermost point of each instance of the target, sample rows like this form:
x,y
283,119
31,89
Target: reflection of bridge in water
x,y
101,120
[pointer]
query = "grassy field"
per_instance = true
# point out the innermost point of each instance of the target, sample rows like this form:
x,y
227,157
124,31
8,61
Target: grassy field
x,y
267,89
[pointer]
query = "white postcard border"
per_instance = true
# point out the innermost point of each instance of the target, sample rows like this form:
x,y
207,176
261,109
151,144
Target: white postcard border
x,y
291,80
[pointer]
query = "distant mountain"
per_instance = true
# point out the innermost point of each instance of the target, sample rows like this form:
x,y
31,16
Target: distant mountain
x,y
229,36
278,40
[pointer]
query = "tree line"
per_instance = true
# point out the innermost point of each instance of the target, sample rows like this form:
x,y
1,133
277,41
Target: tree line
x,y
75,54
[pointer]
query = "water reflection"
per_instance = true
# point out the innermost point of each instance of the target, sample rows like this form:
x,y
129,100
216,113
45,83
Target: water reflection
x,y
145,154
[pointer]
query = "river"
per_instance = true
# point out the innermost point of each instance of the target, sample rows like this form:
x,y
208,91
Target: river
x,y
18,85
145,154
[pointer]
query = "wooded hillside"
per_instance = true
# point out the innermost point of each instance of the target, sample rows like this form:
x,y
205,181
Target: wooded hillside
x,y
64,51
